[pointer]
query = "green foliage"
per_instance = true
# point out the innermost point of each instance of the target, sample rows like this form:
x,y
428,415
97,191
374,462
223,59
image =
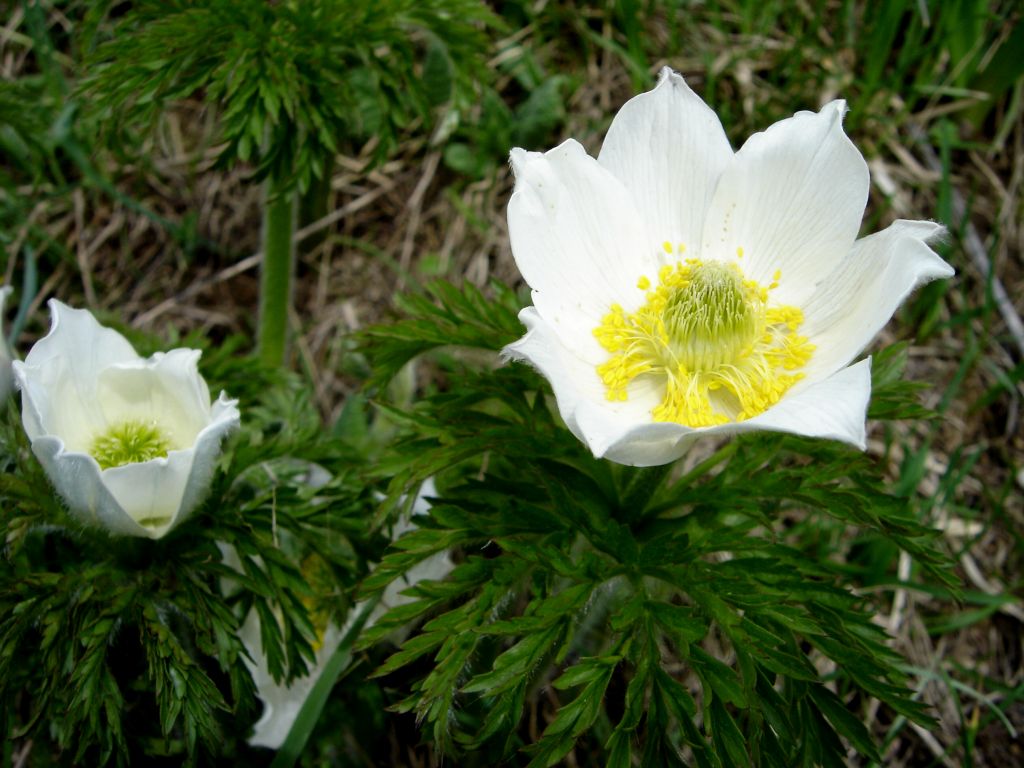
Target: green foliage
x,y
290,81
674,617
120,649
441,316
484,141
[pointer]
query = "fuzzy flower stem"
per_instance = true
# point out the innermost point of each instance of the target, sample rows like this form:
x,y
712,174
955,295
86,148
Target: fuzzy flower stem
x,y
276,275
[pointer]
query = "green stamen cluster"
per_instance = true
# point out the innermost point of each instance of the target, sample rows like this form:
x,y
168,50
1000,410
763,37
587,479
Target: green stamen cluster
x,y
129,442
711,318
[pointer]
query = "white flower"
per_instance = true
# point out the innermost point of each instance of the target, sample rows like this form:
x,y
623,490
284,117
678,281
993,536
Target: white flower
x,y
681,289
6,373
130,444
283,702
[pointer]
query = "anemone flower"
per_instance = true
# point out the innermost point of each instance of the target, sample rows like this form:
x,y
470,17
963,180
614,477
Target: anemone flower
x,y
681,289
129,443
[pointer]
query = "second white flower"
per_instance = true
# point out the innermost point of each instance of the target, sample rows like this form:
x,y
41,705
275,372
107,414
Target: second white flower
x,y
129,443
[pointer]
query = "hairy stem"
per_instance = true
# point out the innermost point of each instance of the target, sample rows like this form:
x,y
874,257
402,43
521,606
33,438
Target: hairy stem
x,y
276,276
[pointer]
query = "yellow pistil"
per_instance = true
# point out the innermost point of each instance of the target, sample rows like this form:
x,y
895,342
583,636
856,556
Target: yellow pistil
x,y
712,338
129,442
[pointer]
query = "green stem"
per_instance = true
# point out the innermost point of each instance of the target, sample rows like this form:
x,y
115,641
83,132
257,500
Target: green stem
x,y
641,487
309,714
276,276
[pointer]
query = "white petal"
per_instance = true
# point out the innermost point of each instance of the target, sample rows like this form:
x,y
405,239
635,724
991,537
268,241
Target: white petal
x,y
580,394
572,379
651,444
577,239
835,408
792,200
60,374
55,402
860,296
76,477
151,492
224,420
282,702
668,148
165,390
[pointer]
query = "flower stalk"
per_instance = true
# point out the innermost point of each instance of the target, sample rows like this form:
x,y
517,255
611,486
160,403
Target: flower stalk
x,y
276,276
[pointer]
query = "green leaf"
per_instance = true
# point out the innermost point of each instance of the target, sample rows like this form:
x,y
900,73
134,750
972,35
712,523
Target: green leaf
x,y
844,721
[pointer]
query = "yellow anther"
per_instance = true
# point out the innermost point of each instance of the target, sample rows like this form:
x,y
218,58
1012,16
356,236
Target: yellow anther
x,y
667,246
739,253
707,334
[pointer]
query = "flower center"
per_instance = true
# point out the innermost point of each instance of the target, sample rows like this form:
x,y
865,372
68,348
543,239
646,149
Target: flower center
x,y
711,338
129,442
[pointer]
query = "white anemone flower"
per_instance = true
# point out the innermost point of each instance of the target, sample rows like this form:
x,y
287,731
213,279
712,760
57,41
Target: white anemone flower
x,y
282,702
6,372
681,289
129,443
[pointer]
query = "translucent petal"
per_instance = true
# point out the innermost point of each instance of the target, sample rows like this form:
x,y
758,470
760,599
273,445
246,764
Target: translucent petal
x,y
577,239
859,297
792,200
668,148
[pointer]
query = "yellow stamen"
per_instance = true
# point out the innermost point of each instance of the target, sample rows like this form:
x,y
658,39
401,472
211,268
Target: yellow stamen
x,y
710,335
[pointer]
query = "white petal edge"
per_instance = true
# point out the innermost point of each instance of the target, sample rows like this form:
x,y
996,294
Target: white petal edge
x,y
668,148
282,702
577,239
76,478
572,379
59,375
861,295
77,339
225,419
834,408
579,392
792,200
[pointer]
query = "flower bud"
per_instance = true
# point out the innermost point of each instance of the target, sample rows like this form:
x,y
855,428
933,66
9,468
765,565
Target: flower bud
x,y
129,443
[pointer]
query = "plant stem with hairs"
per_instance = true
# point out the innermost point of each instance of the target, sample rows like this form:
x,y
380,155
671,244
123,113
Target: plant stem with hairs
x,y
276,275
